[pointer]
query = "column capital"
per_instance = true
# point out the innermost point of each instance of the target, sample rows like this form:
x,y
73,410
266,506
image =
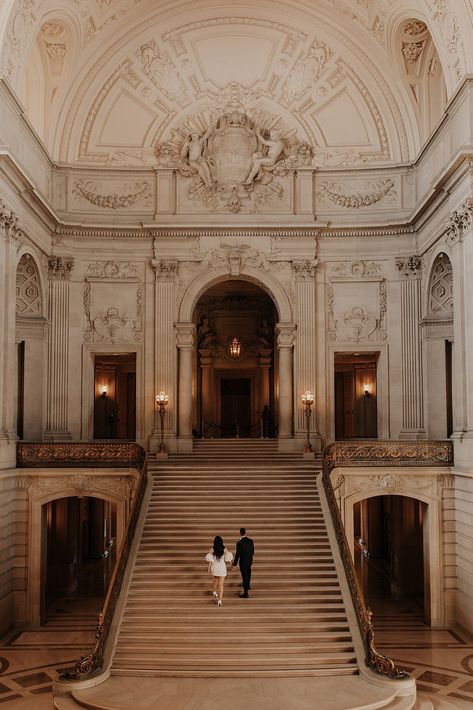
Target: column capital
x,y
305,270
460,221
59,268
410,267
285,333
10,225
165,269
185,335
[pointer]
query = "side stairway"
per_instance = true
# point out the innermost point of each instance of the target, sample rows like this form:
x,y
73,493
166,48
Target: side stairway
x,y
294,622
176,648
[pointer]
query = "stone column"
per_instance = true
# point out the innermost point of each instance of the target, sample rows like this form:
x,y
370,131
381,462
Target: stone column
x,y
185,333
305,370
59,272
460,240
165,273
285,335
207,414
264,355
410,269
10,238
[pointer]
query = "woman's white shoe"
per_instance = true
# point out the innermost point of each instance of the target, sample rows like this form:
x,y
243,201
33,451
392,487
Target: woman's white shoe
x,y
219,602
215,594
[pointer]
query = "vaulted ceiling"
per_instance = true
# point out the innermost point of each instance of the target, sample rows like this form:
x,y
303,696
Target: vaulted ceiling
x,y
106,82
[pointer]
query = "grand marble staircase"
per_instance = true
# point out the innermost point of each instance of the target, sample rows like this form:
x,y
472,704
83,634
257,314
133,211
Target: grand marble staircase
x,y
291,639
294,622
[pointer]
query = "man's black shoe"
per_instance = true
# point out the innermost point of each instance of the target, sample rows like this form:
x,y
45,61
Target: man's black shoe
x,y
243,595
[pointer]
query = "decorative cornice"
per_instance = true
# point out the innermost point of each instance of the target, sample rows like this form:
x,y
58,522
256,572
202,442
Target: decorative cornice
x,y
186,232
410,267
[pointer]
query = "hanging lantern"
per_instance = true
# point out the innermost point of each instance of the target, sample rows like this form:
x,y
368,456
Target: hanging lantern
x,y
234,348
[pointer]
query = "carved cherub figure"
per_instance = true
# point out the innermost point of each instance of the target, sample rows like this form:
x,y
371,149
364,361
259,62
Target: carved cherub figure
x,y
275,145
193,150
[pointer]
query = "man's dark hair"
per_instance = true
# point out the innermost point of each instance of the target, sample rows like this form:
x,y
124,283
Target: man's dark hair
x,y
242,531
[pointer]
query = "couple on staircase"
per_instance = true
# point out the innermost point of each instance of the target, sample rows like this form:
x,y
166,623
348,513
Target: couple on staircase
x,y
218,558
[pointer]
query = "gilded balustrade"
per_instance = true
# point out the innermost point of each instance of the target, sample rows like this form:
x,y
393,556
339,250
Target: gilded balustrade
x,y
87,454
374,453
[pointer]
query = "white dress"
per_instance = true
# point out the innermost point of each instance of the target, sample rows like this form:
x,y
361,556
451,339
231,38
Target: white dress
x,y
218,567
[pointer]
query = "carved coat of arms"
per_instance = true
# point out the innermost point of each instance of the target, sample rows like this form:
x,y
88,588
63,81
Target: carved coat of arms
x,y
233,162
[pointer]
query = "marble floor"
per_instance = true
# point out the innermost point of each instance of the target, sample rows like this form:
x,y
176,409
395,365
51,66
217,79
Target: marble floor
x,y
440,659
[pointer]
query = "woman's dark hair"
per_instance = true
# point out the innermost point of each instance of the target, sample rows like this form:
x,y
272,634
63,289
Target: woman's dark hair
x,y
218,547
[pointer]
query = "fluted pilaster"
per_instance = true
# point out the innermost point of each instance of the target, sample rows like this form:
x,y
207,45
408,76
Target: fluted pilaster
x,y
10,236
410,269
59,270
165,348
304,354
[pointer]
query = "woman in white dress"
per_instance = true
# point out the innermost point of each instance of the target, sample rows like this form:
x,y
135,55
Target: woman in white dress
x,y
217,559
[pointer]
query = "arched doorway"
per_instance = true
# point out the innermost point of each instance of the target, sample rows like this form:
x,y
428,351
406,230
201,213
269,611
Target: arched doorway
x,y
390,539
79,536
235,362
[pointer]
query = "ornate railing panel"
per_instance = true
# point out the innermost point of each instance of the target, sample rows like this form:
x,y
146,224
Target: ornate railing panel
x,y
85,454
374,453
81,453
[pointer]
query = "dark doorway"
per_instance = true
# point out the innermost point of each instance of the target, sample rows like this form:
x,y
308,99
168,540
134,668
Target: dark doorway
x,y
115,396
21,389
235,399
356,411
389,547
449,386
78,552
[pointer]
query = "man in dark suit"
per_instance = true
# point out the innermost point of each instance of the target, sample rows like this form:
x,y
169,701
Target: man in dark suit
x,y
245,550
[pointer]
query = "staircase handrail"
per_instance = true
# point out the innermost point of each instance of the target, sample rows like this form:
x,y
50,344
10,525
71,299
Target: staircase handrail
x,y
374,453
86,454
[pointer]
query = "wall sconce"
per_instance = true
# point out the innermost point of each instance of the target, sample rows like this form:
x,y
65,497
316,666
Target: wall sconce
x,y
307,400
234,347
366,391
161,400
104,391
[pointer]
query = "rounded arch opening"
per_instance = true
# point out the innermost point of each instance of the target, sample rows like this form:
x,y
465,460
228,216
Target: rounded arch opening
x,y
236,361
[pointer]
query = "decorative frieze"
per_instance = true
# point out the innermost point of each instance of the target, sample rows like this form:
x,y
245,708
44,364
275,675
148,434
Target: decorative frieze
x,y
356,269
339,193
112,270
87,190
